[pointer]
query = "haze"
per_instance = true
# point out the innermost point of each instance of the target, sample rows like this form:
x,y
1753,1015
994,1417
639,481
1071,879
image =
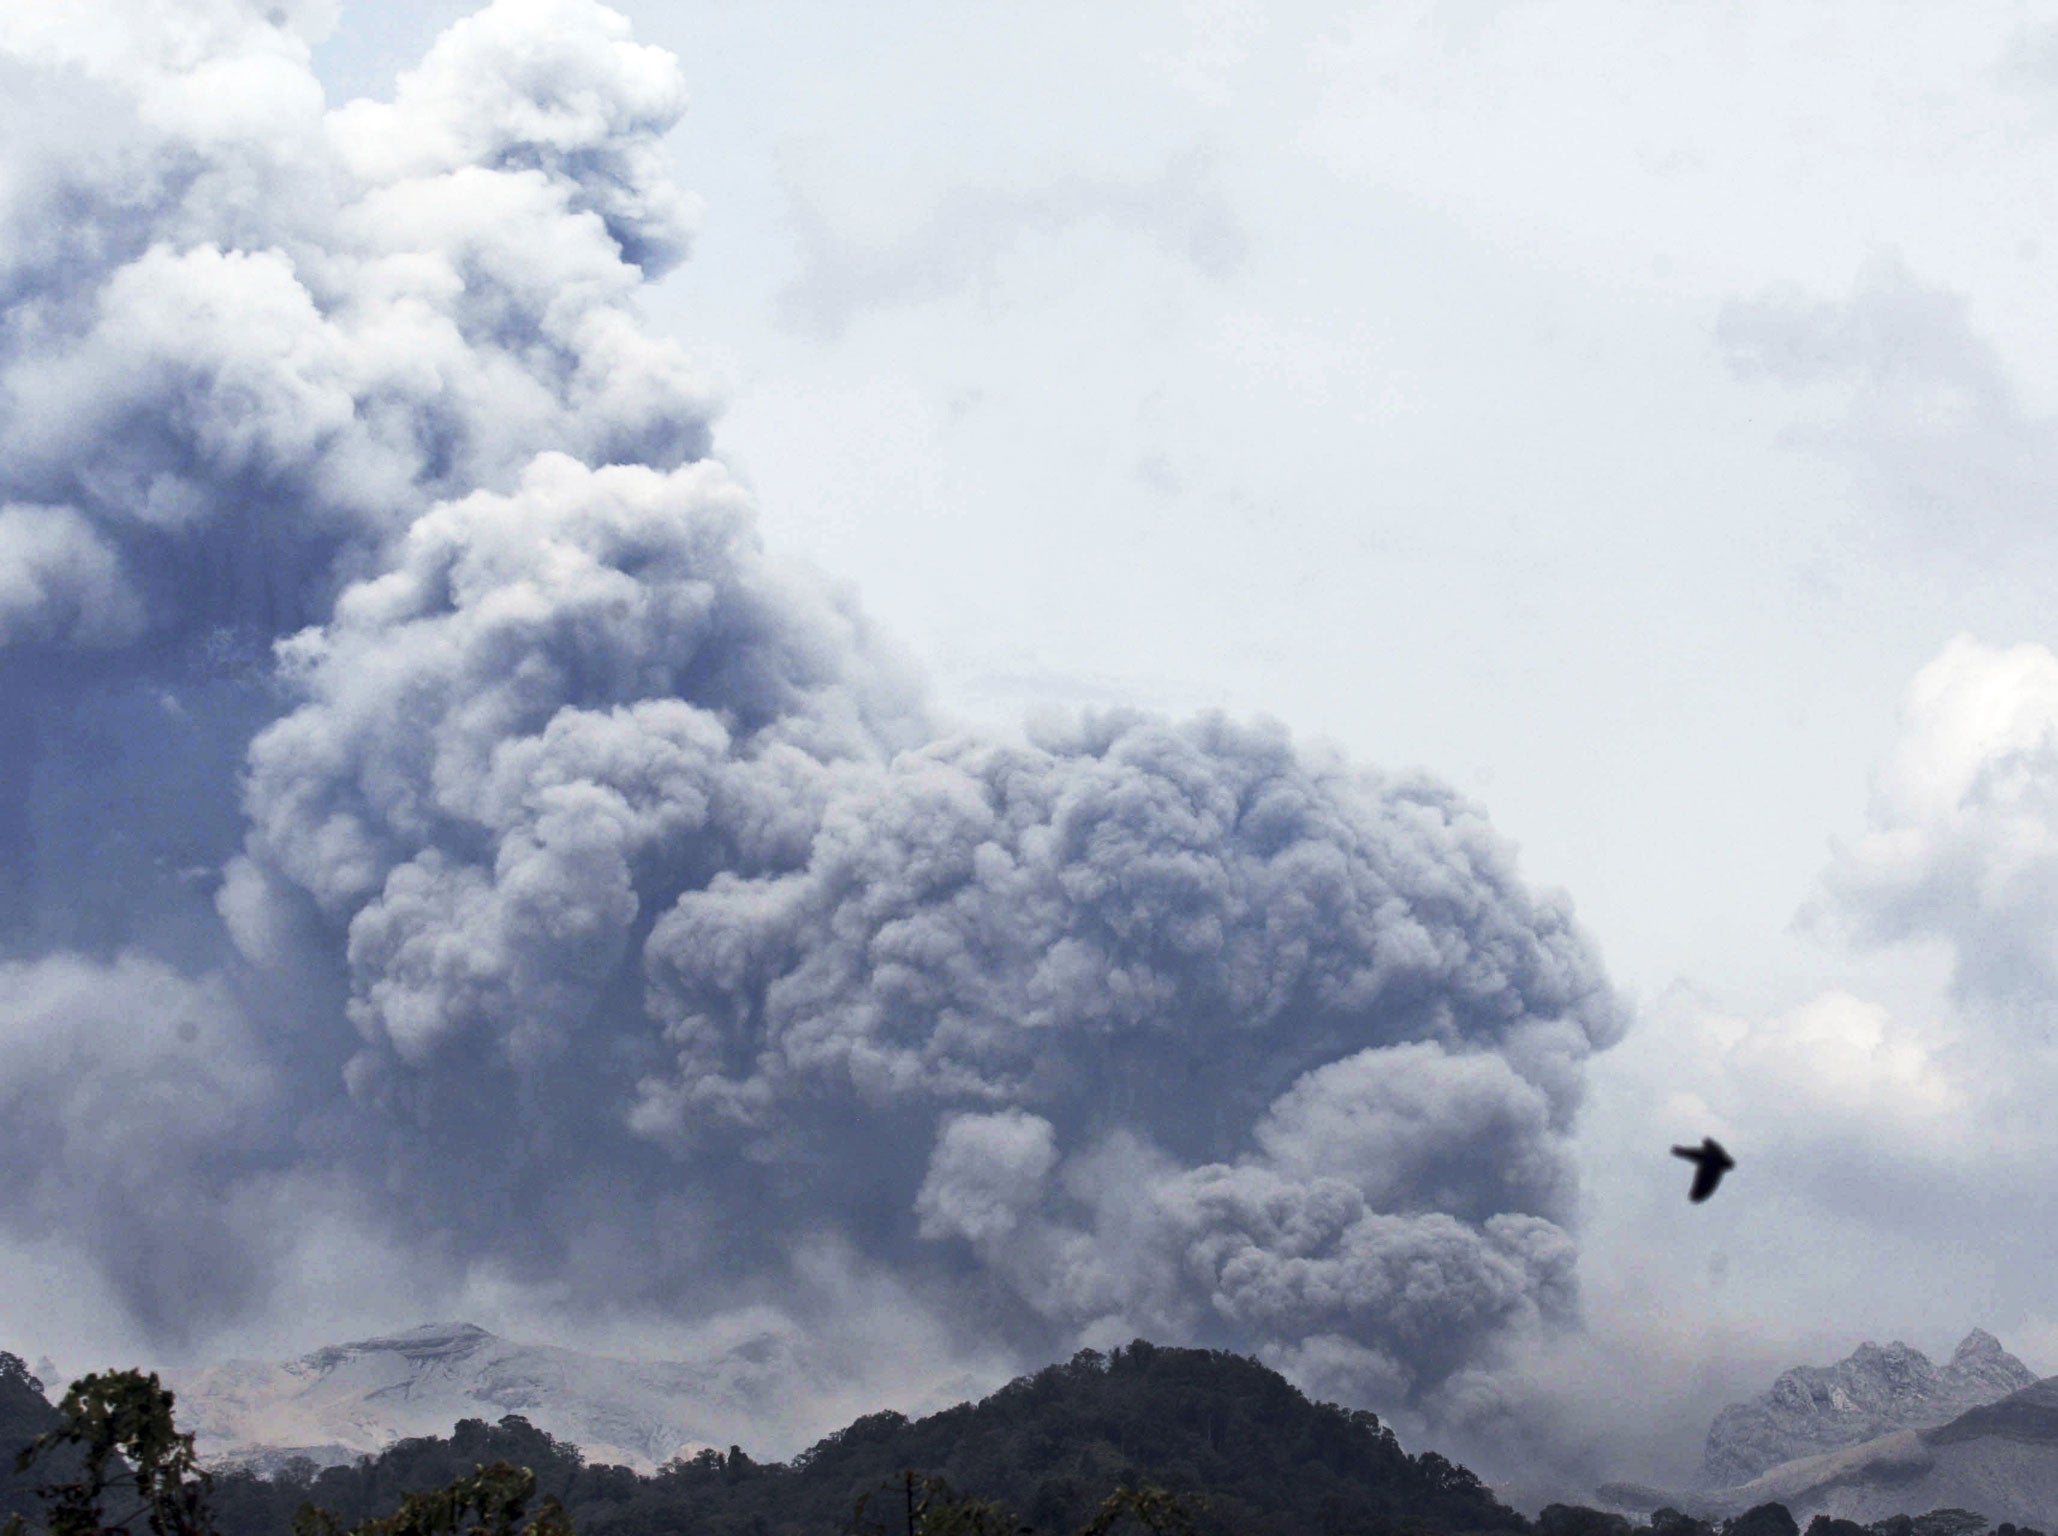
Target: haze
x,y
1629,427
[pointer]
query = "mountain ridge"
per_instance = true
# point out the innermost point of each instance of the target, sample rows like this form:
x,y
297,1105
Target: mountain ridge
x,y
2000,1459
1874,1391
341,1401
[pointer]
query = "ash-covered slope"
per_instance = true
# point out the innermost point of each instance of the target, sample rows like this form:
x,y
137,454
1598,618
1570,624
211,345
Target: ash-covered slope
x,y
1874,1391
1999,1459
350,1399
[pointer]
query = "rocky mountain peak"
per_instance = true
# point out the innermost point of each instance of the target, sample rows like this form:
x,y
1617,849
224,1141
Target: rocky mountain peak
x,y
1875,1390
1979,1360
431,1341
1978,1344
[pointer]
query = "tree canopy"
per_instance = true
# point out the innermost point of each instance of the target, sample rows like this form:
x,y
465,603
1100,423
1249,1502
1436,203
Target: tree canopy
x,y
1177,1442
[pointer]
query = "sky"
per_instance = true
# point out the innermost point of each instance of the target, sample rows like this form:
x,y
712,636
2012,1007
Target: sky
x,y
1627,428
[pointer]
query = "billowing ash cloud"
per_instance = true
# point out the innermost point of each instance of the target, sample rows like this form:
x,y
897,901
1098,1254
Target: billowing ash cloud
x,y
247,342
427,802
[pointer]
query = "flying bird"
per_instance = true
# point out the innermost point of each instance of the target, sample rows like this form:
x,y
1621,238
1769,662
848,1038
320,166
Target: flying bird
x,y
1714,1164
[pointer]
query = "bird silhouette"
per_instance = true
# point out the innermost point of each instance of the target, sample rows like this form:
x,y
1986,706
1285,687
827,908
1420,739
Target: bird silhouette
x,y
1714,1163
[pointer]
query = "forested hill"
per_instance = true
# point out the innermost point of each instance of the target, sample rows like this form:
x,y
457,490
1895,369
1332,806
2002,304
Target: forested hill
x,y
1050,1447
24,1414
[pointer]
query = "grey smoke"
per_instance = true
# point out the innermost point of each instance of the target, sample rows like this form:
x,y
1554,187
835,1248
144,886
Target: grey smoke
x,y
562,888
1924,412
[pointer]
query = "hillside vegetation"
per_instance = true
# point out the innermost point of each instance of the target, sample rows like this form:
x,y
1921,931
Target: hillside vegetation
x,y
24,1414
1050,1447
1170,1440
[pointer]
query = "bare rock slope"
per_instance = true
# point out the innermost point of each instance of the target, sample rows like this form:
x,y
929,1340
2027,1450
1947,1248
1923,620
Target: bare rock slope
x,y
2000,1460
1873,1392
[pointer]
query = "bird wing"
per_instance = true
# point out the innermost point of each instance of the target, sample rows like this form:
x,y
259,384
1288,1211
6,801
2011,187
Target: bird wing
x,y
1707,1176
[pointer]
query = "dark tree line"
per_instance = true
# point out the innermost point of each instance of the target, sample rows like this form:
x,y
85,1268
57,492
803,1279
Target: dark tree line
x,y
1764,1520
1239,1448
1174,1441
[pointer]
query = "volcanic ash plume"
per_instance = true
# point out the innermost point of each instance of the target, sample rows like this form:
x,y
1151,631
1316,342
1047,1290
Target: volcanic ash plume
x,y
560,889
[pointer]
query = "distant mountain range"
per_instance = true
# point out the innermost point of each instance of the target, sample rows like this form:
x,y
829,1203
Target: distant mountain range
x,y
348,1400
1873,1391
2000,1459
1884,1432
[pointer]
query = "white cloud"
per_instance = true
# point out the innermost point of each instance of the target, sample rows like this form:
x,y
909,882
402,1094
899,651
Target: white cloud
x,y
1962,841
967,239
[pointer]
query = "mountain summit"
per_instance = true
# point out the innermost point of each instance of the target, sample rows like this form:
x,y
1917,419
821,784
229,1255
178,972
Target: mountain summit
x,y
350,1399
1873,1391
1999,1460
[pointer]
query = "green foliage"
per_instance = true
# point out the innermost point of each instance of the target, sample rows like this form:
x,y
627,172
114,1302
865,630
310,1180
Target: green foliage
x,y
1115,1443
1947,1522
1057,1444
1765,1520
1578,1520
116,1433
1938,1522
353,1497
490,1502
24,1414
119,1425
923,1505
1667,1521
1166,1514
1172,1442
